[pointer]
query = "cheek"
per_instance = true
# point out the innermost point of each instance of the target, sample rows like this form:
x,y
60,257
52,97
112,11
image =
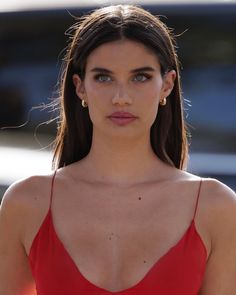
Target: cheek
x,y
151,110
151,89
145,99
150,94
98,101
95,92
149,103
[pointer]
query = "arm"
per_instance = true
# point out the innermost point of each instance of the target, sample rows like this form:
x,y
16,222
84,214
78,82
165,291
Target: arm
x,y
15,274
220,275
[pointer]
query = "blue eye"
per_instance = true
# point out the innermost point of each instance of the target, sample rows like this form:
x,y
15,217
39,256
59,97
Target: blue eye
x,y
102,78
142,77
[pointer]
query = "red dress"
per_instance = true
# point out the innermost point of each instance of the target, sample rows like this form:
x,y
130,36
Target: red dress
x,y
179,272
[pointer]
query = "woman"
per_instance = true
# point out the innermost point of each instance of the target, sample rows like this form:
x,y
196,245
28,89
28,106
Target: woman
x,y
119,215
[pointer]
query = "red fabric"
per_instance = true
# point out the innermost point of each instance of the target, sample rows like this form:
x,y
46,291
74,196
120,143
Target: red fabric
x,y
179,272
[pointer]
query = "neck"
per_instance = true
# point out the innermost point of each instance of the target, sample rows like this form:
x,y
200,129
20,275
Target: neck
x,y
123,161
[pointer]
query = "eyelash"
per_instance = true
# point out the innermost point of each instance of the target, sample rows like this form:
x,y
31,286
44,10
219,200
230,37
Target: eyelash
x,y
148,77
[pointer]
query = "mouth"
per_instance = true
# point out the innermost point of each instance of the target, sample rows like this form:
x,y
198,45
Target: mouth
x,y
121,121
122,115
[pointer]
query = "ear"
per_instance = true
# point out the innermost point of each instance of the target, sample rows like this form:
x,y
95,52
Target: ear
x,y
79,86
168,83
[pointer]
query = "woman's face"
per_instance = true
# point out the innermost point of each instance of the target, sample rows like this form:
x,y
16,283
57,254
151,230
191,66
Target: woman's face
x,y
123,76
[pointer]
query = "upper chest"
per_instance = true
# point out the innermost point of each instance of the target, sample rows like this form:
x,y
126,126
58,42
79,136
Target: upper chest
x,y
148,213
118,223
116,235
143,210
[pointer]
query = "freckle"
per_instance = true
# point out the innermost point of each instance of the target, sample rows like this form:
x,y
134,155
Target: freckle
x,y
144,261
109,238
139,198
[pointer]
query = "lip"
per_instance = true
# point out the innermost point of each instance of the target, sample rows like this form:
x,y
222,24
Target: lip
x,y
122,118
121,121
122,115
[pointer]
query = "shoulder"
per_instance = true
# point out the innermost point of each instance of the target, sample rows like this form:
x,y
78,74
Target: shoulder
x,y
24,191
220,214
220,196
216,213
212,189
25,199
221,207
217,217
217,201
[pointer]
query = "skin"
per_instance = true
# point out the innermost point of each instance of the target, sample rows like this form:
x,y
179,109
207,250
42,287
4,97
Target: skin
x,y
133,211
128,147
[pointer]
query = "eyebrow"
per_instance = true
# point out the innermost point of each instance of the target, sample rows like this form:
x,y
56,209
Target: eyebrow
x,y
142,69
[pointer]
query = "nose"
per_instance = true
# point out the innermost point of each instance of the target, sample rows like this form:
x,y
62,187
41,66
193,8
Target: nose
x,y
121,96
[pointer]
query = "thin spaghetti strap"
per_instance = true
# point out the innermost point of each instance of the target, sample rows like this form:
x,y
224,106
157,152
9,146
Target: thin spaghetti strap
x,y
199,189
52,185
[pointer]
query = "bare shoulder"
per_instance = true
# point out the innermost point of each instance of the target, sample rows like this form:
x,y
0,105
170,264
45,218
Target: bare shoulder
x,y
25,192
220,196
221,201
217,209
212,189
22,205
217,202
220,217
26,200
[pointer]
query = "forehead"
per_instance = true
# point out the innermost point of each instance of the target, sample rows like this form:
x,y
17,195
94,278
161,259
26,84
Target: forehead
x,y
122,54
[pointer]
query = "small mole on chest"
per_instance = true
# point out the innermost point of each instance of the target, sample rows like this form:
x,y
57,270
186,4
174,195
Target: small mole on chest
x,y
139,198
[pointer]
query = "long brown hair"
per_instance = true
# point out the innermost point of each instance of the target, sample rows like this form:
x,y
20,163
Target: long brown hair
x,y
168,132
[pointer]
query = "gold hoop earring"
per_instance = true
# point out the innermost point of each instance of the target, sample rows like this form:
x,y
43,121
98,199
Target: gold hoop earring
x,y
84,103
163,102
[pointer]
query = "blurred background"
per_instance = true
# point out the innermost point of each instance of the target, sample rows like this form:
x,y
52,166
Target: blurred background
x,y
33,41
